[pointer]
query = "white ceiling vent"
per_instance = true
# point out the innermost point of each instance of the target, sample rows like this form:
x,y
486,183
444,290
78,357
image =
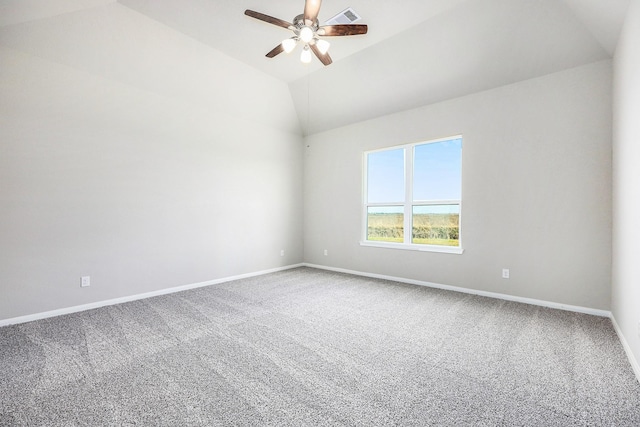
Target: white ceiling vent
x,y
347,16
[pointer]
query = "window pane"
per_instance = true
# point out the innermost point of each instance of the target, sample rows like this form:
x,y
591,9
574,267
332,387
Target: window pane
x,y
437,171
385,224
385,180
436,225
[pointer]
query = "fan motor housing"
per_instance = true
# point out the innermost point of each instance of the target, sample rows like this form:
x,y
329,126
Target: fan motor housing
x,y
298,22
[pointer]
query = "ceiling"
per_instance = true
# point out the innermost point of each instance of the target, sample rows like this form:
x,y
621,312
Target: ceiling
x,y
417,52
223,25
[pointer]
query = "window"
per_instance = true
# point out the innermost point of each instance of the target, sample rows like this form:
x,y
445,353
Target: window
x,y
412,196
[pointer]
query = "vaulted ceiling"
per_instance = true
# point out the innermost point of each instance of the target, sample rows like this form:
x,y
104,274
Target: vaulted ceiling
x,y
417,52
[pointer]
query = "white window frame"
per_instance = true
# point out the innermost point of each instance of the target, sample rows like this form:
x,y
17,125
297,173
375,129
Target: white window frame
x,y
408,203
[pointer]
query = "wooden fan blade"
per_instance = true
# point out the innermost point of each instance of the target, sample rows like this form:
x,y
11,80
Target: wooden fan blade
x,y
311,9
275,51
343,30
325,59
268,19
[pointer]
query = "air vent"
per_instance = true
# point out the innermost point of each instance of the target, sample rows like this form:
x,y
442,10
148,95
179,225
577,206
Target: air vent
x,y
347,16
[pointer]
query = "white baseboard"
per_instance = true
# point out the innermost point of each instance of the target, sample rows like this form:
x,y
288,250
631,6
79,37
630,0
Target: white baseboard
x,y
627,348
559,306
84,307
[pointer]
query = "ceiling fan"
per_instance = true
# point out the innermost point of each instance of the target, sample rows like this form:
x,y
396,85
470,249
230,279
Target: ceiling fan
x,y
307,32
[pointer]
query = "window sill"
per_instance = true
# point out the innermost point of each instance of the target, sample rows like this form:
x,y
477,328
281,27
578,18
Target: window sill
x,y
419,248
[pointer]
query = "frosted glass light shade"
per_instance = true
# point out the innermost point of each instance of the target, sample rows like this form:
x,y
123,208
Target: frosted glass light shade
x,y
323,46
306,34
288,45
305,56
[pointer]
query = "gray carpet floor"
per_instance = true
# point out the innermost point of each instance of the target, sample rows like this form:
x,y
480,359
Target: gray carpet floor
x,y
308,347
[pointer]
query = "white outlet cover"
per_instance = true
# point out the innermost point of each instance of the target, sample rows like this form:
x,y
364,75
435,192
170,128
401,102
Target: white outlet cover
x,y
85,281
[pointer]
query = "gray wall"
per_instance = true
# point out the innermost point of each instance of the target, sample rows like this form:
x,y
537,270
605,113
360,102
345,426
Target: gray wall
x,y
140,157
144,174
536,190
626,182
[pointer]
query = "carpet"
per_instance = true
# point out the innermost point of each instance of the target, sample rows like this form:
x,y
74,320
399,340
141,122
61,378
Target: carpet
x,y
306,347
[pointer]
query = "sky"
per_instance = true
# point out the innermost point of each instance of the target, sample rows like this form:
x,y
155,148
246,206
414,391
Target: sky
x,y
437,173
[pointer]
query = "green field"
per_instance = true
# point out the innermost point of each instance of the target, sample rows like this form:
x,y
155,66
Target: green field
x,y
428,229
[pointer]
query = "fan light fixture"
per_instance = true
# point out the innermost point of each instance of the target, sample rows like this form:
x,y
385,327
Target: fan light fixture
x,y
323,46
305,56
306,34
289,44
308,37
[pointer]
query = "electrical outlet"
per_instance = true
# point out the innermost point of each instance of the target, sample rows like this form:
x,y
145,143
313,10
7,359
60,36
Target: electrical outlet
x,y
85,281
505,273
326,252
282,252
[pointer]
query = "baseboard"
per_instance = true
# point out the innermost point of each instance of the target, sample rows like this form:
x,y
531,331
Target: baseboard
x,y
84,307
549,304
627,348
